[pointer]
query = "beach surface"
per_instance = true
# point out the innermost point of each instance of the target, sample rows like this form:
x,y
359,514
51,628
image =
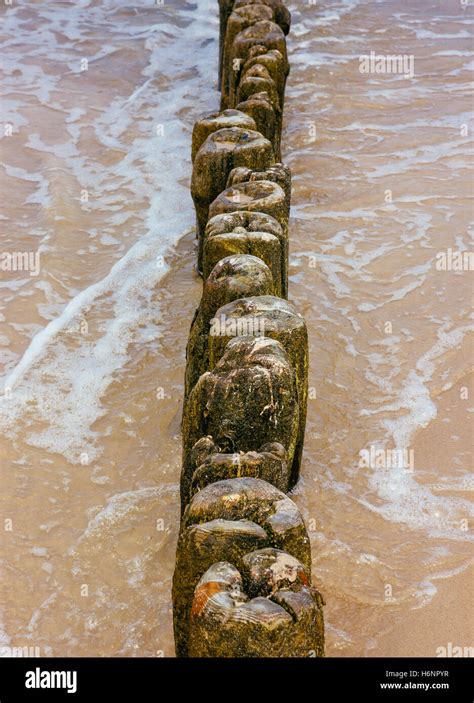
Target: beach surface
x,y
102,100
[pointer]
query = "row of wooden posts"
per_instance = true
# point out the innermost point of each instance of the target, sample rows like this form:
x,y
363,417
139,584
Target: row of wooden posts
x,y
242,581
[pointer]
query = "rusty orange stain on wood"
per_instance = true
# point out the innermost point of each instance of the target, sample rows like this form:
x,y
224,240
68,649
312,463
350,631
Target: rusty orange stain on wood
x,y
202,595
304,577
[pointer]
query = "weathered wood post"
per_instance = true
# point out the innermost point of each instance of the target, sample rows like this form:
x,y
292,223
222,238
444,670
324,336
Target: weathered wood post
x,y
245,232
232,277
216,157
242,581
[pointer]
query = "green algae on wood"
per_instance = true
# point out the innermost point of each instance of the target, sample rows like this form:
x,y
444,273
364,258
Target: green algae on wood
x,y
238,20
282,17
241,586
212,122
265,34
244,232
258,196
254,196
269,463
225,9
262,75
274,61
234,68
225,623
281,13
257,79
277,172
199,546
277,319
224,521
259,107
248,399
232,615
218,155
253,499
232,277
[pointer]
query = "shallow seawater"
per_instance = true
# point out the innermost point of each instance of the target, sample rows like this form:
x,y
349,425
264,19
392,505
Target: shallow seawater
x,y
101,100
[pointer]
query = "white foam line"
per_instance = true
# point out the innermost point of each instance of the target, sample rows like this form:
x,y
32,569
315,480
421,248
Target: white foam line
x,y
67,387
85,297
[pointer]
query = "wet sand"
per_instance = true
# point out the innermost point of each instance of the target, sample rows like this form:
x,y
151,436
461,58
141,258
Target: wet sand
x,y
423,632
91,448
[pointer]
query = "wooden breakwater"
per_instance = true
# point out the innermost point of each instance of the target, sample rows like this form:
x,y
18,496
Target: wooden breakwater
x,y
242,581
